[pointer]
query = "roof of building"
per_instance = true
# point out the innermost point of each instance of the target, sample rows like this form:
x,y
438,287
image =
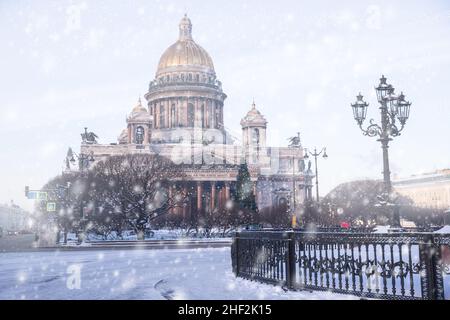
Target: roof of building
x,y
253,117
185,54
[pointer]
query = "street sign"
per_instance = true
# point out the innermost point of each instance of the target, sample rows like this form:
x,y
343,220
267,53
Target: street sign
x,y
42,195
32,195
51,206
37,195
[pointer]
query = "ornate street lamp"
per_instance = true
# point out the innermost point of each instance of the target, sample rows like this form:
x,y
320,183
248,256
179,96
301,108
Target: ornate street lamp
x,y
316,154
392,108
295,144
84,160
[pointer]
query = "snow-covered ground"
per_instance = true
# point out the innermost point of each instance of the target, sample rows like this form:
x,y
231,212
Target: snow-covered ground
x,y
133,274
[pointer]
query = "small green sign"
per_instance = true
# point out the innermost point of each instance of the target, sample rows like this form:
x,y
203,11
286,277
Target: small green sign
x,y
42,195
51,206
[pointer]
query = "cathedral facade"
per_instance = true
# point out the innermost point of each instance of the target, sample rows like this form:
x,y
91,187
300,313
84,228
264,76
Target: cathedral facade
x,y
182,119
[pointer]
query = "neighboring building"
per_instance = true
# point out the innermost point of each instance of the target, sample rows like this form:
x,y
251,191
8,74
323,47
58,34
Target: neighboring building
x,y
13,218
429,190
183,120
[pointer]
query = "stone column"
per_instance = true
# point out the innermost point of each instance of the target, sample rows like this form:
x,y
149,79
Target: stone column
x,y
220,197
213,195
167,113
156,115
227,191
171,198
211,108
221,114
169,118
146,131
185,193
205,103
199,196
185,110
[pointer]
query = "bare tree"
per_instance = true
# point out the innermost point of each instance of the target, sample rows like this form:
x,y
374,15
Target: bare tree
x,y
140,187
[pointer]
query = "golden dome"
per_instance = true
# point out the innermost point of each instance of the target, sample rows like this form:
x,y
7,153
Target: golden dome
x,y
185,53
139,108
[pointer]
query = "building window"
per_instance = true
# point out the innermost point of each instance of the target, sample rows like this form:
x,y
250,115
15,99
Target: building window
x,y
190,115
255,136
139,135
190,77
285,164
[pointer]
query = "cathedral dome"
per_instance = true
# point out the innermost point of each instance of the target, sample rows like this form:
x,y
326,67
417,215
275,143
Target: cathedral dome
x,y
139,113
185,54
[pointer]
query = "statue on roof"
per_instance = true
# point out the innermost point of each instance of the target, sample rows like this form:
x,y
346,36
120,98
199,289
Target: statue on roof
x,y
88,137
295,141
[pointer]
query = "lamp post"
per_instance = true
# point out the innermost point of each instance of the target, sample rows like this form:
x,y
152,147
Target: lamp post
x,y
316,154
295,144
392,108
84,160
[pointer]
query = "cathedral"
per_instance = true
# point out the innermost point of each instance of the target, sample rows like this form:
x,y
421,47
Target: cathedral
x,y
182,119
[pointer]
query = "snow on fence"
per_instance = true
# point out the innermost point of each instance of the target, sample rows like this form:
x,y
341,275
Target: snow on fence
x,y
385,266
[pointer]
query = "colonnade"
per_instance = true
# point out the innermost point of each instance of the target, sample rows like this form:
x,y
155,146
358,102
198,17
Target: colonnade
x,y
203,197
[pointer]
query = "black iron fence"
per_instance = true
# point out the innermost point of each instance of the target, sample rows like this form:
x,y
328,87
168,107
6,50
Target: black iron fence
x,y
387,266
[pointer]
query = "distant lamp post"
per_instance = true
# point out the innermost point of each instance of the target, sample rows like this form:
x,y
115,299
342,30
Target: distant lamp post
x,y
392,108
316,154
295,144
84,160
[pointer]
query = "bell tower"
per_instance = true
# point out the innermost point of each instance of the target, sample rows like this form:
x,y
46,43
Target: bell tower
x,y
139,125
254,127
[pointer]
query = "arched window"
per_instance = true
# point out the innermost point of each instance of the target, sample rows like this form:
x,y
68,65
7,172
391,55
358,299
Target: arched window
x,y
190,77
190,115
173,114
139,135
162,116
182,77
197,78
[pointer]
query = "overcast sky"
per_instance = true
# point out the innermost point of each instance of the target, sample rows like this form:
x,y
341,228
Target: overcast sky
x,y
69,64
